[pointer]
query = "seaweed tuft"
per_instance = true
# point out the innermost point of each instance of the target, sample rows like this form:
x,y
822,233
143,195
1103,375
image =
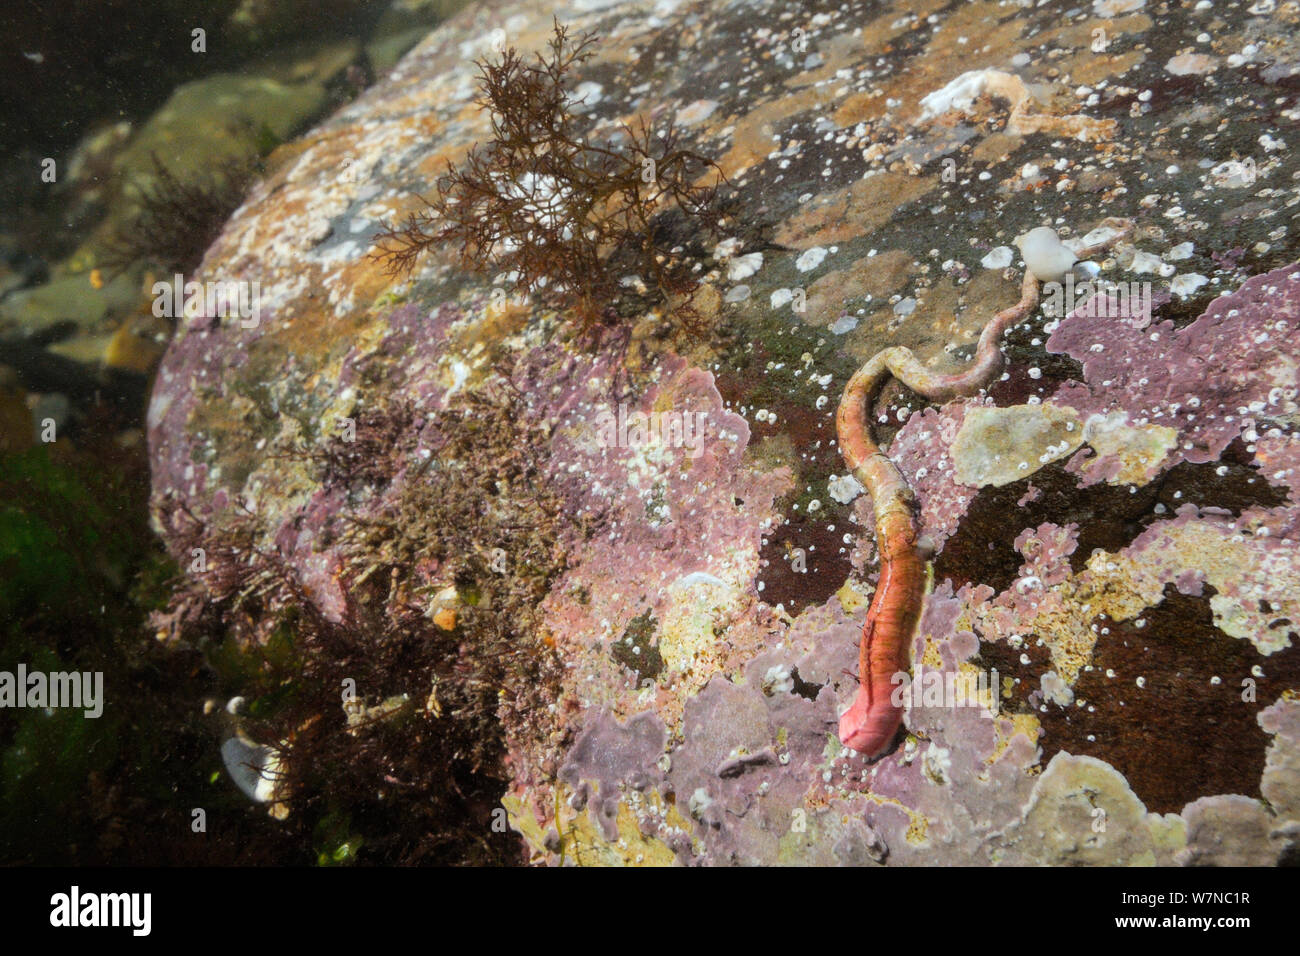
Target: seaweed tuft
x,y
176,219
562,217
396,722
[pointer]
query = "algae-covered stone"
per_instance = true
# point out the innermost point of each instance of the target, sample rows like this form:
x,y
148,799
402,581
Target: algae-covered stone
x,y
1126,453
997,446
223,117
71,298
729,753
1083,811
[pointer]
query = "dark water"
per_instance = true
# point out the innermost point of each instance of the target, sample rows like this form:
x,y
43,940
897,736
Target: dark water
x,y
129,130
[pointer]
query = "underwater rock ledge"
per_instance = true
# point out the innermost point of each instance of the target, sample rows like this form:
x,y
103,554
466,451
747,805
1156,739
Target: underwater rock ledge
x,y
1115,521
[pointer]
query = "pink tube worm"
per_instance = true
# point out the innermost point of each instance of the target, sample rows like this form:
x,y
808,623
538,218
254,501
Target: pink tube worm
x,y
872,720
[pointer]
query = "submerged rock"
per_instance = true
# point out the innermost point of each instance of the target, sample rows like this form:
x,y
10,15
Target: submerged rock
x,y
1142,567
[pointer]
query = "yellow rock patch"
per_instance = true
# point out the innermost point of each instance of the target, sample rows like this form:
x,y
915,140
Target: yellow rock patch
x,y
1141,448
997,446
582,843
853,211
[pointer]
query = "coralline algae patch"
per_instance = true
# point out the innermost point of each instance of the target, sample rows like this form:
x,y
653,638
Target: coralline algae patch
x,y
1137,419
914,794
997,446
1254,587
1239,565
1255,583
629,589
1248,342
1000,445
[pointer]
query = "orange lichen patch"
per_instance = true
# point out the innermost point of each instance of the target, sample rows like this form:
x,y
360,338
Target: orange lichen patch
x,y
1025,119
853,211
879,34
1081,36
980,296
838,52
987,43
969,26
944,316
413,100
284,231
393,208
989,37
936,315
996,147
1091,68
878,276
426,126
498,323
864,107
623,48
286,153
873,333
363,279
306,326
322,154
906,87
752,141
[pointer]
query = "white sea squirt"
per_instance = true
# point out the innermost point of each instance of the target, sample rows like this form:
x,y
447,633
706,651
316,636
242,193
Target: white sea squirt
x,y
1045,255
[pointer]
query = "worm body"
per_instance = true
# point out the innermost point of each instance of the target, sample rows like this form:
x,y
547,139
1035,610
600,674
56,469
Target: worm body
x,y
870,723
872,720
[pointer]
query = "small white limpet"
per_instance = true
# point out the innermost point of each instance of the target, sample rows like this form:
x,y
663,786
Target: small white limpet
x,y
997,258
1184,285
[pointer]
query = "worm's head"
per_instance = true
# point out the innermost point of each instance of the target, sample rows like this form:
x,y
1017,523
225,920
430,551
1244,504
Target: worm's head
x,y
870,730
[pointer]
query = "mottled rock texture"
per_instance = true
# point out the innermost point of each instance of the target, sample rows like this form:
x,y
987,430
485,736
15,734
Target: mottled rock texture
x,y
1134,584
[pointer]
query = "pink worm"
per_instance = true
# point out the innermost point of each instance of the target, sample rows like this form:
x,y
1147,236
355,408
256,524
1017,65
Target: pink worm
x,y
872,720
870,723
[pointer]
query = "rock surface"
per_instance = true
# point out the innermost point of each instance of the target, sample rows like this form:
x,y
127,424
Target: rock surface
x,y
1134,586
